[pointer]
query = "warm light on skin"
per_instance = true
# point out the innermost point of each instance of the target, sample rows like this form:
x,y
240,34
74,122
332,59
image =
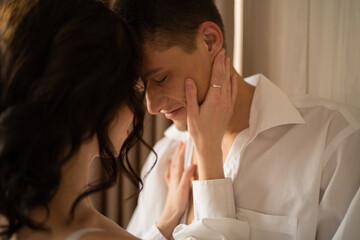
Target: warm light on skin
x,y
175,65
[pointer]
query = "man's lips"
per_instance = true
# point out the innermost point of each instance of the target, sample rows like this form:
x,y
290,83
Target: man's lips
x,y
172,114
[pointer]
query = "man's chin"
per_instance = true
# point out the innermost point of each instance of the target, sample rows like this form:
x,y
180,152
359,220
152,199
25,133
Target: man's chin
x,y
181,126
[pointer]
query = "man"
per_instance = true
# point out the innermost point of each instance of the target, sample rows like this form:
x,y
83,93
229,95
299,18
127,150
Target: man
x,y
294,162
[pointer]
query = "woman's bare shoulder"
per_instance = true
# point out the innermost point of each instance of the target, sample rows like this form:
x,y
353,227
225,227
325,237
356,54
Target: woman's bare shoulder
x,y
108,236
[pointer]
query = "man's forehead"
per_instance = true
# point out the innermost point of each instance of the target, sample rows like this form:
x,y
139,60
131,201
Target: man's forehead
x,y
159,60
154,60
146,73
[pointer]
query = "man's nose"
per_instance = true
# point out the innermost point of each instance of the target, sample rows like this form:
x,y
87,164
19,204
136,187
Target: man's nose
x,y
155,99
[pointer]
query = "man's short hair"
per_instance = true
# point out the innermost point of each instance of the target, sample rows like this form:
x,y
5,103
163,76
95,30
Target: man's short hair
x,y
167,23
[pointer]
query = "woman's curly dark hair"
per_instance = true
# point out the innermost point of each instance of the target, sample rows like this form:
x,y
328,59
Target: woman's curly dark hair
x,y
66,67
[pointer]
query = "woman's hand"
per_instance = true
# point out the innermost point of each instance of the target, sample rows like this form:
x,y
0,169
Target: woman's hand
x,y
178,182
207,123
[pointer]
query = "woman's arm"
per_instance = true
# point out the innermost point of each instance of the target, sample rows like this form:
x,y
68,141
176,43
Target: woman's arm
x,y
207,123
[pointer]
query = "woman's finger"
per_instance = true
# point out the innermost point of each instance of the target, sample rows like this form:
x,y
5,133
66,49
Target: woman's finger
x,y
186,178
218,74
191,99
177,163
167,173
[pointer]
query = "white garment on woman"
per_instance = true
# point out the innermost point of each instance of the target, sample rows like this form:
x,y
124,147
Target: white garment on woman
x,y
78,234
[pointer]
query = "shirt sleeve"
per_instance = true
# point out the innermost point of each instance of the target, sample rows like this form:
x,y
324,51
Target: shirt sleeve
x,y
213,198
339,198
214,213
349,226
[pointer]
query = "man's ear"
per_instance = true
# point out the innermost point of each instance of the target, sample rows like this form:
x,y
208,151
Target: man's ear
x,y
212,36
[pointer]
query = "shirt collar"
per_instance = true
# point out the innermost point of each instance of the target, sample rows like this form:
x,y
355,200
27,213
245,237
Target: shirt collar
x,y
270,106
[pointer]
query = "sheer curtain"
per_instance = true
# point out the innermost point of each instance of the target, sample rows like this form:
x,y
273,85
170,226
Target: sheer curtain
x,y
305,47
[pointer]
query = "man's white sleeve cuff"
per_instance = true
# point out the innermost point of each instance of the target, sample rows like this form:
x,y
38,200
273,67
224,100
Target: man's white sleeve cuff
x,y
214,199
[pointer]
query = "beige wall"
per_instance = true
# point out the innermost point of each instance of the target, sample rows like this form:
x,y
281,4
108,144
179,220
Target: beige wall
x,y
305,46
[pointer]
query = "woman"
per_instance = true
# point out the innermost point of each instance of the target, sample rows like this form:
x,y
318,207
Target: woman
x,y
69,71
68,93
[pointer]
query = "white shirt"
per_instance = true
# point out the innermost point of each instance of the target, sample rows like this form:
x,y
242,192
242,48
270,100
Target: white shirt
x,y
295,175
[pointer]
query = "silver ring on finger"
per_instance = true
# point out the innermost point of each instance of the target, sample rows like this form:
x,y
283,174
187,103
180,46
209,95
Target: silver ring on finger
x,y
215,86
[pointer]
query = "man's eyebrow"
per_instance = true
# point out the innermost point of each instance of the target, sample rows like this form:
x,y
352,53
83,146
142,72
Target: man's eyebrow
x,y
151,72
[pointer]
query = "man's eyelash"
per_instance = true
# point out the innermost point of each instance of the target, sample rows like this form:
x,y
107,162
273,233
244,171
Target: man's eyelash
x,y
161,80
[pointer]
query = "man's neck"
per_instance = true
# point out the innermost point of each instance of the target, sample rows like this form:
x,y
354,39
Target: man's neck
x,y
240,119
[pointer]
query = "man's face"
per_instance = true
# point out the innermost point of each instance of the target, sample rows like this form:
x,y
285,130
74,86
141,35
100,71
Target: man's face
x,y
166,72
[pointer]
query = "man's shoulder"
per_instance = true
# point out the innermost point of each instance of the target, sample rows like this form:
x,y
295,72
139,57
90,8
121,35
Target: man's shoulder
x,y
322,109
